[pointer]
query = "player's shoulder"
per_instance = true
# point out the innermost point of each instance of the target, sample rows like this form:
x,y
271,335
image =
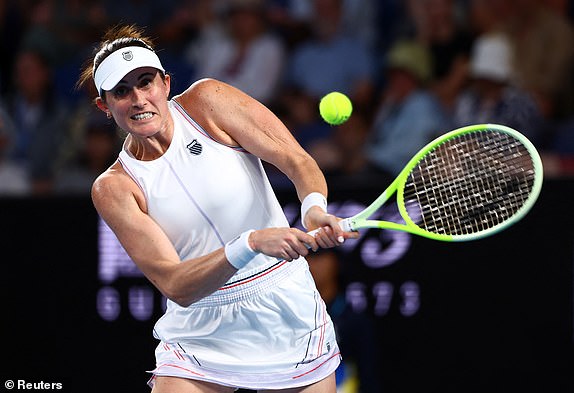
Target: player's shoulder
x,y
199,90
112,185
203,91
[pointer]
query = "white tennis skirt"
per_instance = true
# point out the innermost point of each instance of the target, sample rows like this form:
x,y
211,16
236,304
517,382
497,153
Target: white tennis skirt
x,y
268,330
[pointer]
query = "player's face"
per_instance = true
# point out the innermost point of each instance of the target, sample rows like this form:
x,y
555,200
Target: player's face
x,y
138,102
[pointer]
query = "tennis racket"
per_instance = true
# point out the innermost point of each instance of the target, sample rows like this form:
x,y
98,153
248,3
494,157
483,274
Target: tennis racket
x,y
467,184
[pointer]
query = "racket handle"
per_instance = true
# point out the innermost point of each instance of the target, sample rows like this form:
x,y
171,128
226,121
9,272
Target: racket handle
x,y
345,225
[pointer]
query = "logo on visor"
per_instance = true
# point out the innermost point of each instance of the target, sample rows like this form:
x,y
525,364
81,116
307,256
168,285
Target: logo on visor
x,y
128,55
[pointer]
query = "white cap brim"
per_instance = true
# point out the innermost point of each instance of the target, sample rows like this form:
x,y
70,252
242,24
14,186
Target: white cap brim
x,y
120,63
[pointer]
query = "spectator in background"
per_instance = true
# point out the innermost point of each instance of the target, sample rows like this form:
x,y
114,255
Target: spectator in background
x,y
182,20
75,25
293,19
187,21
487,16
142,12
39,118
209,29
332,60
544,55
62,28
12,27
329,61
436,25
97,151
492,97
360,21
13,177
248,55
409,115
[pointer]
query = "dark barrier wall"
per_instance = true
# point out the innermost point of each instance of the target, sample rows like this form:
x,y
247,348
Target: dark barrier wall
x,y
491,315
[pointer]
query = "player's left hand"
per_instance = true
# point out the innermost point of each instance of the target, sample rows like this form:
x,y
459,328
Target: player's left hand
x,y
329,233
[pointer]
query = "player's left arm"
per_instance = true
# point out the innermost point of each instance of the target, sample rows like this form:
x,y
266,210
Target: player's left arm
x,y
235,118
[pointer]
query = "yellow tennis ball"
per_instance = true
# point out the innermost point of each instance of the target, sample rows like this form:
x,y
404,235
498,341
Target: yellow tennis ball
x,y
335,108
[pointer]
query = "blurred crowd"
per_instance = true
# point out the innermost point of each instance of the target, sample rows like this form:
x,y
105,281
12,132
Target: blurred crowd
x,y
413,69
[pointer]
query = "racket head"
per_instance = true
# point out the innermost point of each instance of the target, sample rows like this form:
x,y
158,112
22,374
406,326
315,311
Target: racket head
x,y
469,183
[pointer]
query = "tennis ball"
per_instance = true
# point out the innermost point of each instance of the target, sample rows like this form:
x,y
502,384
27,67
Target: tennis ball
x,y
335,108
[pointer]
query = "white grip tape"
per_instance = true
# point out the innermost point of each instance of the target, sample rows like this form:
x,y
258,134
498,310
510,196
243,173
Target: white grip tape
x,y
238,252
345,225
313,199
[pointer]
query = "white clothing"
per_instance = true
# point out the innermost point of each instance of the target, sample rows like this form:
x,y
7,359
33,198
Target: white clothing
x,y
261,333
268,324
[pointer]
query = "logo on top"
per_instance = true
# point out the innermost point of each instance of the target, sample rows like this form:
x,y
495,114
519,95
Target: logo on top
x,y
194,147
128,55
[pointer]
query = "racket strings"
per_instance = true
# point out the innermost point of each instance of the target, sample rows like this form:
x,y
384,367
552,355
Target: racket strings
x,y
470,183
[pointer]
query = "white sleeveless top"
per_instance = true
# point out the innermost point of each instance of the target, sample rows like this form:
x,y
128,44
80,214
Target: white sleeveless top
x,y
203,193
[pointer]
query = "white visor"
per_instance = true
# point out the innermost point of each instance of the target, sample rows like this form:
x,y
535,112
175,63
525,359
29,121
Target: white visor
x,y
120,63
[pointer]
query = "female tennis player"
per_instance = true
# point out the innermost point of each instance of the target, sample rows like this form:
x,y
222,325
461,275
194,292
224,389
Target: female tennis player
x,y
190,202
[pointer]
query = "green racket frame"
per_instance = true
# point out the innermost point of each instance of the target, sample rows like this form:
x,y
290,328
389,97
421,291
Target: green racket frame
x,y
361,221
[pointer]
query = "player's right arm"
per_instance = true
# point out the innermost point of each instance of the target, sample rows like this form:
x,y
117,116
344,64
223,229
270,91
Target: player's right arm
x,y
121,204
